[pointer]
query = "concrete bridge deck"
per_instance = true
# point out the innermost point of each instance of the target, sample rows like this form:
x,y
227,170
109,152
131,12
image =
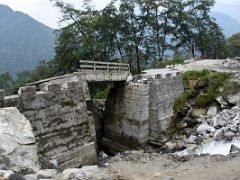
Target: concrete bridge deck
x,y
94,71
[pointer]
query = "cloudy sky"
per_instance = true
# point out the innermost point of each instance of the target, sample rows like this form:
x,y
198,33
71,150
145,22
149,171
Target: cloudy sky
x,y
43,10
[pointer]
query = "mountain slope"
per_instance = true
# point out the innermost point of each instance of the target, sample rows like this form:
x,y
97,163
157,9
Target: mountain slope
x,y
229,25
23,41
231,10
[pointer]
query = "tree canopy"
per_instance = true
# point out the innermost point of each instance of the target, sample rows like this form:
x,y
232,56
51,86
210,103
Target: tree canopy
x,y
233,44
139,32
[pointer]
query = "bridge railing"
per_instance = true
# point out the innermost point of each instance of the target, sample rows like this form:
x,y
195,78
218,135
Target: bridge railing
x,y
106,66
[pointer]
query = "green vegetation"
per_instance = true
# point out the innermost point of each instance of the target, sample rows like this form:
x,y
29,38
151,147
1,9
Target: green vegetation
x,y
102,94
202,88
42,71
138,32
233,44
186,95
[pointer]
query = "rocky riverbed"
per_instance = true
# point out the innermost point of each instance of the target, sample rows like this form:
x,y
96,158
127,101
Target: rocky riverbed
x,y
141,166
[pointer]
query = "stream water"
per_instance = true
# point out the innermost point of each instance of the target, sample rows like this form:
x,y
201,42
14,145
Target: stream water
x,y
212,148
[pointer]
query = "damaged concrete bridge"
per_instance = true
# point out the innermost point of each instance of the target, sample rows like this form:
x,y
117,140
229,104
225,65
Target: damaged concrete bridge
x,y
138,111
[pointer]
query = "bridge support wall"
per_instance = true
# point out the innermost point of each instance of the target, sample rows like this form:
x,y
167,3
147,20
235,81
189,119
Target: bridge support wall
x,y
139,112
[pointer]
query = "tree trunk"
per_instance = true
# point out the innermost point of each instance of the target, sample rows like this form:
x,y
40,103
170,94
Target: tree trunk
x,y
138,59
120,52
193,50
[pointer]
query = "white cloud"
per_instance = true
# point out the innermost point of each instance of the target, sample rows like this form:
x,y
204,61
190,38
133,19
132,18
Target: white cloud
x,y
44,11
232,2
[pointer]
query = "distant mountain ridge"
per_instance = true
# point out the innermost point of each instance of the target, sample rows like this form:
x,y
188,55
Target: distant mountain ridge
x,y
229,25
229,9
23,41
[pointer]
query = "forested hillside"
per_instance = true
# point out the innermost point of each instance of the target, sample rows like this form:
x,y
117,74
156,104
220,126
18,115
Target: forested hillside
x,y
23,41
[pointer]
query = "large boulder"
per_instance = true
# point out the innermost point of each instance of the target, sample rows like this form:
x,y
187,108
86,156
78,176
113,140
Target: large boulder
x,y
234,98
85,173
18,148
199,112
212,110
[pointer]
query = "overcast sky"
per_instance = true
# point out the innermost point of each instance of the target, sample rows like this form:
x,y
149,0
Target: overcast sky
x,y
43,10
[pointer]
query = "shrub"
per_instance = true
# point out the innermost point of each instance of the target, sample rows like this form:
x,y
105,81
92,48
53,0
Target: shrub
x,y
214,81
102,94
185,96
203,101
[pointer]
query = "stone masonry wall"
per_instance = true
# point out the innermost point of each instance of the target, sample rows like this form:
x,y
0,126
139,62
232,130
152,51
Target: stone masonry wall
x,y
140,111
63,127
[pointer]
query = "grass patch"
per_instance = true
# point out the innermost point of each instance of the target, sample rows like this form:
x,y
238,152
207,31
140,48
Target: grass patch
x,y
203,101
186,95
231,87
207,88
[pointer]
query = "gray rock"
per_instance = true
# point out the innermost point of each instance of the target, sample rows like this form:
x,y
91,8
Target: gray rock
x,y
234,98
30,177
234,149
205,129
168,178
234,129
85,173
212,110
226,129
4,167
198,112
54,163
129,78
229,135
16,176
218,135
18,149
170,146
221,101
46,173
5,173
192,140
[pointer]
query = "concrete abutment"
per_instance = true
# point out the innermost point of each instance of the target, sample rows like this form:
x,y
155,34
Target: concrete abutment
x,y
141,111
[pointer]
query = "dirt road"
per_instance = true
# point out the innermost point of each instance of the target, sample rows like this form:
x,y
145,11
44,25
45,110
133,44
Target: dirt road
x,y
148,167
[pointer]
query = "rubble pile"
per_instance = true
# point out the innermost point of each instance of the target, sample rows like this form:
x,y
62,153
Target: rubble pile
x,y
230,64
223,126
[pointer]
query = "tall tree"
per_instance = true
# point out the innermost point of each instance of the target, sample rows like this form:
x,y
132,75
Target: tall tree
x,y
137,31
134,28
233,44
6,82
192,22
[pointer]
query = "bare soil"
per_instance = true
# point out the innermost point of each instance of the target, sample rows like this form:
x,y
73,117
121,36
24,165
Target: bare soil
x,y
142,166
